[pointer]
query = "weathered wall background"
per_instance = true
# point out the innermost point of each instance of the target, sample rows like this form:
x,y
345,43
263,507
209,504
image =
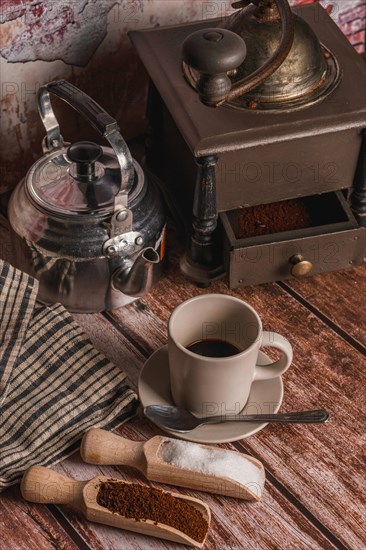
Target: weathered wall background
x,y
85,41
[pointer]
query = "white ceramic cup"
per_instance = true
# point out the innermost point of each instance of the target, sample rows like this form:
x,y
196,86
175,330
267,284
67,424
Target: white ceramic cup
x,y
208,386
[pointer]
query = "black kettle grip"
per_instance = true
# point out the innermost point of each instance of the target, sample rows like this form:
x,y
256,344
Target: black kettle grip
x,y
85,105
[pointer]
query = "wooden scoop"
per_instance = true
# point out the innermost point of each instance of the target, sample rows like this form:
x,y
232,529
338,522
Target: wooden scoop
x,y
103,447
43,485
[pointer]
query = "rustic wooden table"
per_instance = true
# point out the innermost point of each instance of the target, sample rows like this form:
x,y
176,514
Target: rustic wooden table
x,y
315,493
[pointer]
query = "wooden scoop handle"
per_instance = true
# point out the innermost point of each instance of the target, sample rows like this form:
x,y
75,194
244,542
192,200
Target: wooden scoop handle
x,y
43,485
103,447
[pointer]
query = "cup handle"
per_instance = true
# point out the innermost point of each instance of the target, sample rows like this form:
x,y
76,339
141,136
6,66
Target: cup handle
x,y
274,340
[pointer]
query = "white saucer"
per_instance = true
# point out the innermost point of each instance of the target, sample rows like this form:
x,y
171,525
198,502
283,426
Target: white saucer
x,y
265,397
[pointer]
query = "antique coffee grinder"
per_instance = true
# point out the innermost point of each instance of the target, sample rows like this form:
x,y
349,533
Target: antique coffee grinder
x,y
257,128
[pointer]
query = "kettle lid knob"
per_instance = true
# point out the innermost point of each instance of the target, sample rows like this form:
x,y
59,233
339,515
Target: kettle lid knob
x,y
84,154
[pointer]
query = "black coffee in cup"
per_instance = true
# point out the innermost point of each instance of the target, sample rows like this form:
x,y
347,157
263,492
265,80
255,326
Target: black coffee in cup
x,y
214,347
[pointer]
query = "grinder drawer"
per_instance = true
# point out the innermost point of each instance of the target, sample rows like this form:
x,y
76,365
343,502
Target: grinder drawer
x,y
282,240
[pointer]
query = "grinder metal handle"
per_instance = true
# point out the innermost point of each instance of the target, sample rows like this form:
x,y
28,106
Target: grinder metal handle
x,y
97,117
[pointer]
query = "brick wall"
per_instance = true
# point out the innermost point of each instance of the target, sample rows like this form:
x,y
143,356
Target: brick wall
x,y
85,42
350,15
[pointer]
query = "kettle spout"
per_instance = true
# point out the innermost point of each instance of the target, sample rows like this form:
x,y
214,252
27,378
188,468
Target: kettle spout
x,y
140,277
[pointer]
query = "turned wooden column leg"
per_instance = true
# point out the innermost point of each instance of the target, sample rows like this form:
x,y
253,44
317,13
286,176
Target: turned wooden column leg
x,y
358,197
204,212
203,261
153,136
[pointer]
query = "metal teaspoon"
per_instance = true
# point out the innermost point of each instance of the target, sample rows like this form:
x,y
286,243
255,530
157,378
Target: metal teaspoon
x,y
181,420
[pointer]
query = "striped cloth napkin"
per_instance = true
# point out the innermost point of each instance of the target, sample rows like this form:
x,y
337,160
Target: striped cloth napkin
x,y
54,385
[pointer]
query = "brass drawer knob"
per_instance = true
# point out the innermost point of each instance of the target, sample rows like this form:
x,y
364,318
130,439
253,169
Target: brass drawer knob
x,y
300,266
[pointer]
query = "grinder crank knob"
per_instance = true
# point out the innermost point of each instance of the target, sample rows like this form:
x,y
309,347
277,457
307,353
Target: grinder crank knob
x,y
213,53
300,267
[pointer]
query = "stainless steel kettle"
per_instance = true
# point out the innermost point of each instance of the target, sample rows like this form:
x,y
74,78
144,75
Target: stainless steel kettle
x,y
85,221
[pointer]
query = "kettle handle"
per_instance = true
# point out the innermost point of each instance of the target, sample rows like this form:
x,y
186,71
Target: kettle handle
x,y
97,117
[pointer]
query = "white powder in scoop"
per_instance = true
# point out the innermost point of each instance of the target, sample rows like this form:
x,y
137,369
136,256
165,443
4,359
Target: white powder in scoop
x,y
217,462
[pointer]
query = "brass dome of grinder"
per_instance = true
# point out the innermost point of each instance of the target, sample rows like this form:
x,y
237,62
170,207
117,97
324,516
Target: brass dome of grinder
x,y
308,75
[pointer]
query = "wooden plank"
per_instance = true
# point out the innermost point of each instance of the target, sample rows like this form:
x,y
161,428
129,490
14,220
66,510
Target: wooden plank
x,y
26,526
293,512
273,522
339,296
274,519
319,465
